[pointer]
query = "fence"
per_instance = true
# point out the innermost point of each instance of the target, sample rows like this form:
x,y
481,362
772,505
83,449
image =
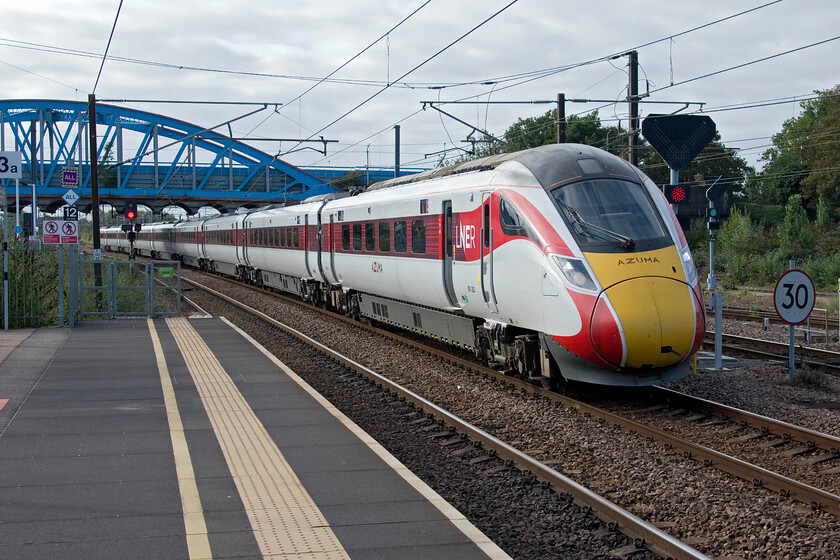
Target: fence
x,y
50,285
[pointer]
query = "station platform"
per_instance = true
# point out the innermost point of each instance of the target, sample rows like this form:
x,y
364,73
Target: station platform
x,y
184,439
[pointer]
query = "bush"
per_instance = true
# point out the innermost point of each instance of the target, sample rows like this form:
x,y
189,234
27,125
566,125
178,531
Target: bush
x,y
811,378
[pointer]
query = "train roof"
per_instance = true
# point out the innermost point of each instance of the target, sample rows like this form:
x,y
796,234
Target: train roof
x,y
551,164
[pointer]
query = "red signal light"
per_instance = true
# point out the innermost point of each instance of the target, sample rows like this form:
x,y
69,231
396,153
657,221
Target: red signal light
x,y
676,194
130,210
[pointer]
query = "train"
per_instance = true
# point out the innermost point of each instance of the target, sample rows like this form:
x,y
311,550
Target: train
x,y
558,263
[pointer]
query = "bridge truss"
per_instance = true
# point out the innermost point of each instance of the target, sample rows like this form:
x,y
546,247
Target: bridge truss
x,y
153,159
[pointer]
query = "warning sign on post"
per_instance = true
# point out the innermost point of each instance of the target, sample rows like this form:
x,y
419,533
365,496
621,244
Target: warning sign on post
x,y
794,297
61,232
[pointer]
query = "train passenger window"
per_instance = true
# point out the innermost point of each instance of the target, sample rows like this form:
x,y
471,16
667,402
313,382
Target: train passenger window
x,y
357,237
295,238
513,223
370,238
400,237
385,237
418,237
345,237
288,237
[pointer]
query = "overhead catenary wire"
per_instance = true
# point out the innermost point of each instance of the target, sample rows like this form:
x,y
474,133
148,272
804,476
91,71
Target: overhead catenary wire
x,y
426,61
107,47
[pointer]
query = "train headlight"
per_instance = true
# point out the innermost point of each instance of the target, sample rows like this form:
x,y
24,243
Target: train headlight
x,y
574,272
688,265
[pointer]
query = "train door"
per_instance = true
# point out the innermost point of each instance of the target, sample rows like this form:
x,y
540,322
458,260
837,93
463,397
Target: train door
x,y
320,238
448,253
310,267
333,231
487,290
240,242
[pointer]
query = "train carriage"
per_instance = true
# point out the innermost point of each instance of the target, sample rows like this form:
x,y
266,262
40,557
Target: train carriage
x,y
276,248
188,242
223,244
559,261
161,242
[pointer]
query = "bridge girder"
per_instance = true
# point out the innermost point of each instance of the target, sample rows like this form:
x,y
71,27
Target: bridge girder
x,y
205,167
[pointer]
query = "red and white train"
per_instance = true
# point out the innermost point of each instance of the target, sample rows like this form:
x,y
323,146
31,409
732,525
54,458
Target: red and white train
x,y
559,261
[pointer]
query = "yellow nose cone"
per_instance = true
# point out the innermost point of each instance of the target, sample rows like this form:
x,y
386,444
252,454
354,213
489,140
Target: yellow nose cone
x,y
657,318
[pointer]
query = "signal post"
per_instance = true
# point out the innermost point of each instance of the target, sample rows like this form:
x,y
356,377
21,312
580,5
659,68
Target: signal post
x,y
131,229
679,139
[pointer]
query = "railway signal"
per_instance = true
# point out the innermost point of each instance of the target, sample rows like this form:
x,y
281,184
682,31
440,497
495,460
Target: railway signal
x,y
676,194
712,218
130,210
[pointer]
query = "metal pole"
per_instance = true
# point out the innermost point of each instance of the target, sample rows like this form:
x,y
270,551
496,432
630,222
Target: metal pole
x,y
5,263
633,100
717,303
94,195
73,296
33,174
396,150
675,180
561,118
61,285
791,360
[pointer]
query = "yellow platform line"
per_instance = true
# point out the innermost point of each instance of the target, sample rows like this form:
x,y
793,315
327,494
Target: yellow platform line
x,y
198,544
491,549
286,522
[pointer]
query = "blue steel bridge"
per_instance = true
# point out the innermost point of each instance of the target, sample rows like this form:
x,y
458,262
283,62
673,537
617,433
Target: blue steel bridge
x,y
201,168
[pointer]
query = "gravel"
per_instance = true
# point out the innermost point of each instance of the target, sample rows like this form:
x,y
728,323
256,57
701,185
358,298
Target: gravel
x,y
719,515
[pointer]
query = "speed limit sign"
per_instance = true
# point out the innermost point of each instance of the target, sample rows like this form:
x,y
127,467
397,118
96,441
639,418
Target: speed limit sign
x,y
794,296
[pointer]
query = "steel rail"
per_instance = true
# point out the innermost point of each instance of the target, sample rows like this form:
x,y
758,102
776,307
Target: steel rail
x,y
634,527
758,476
807,436
810,356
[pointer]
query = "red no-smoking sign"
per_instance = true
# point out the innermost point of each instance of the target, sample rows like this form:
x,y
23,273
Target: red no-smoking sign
x,y
61,232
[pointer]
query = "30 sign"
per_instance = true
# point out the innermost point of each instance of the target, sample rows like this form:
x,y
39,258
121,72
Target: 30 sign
x,y
794,297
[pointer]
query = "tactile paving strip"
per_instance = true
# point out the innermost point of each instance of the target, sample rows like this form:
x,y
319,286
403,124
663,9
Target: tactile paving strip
x,y
285,520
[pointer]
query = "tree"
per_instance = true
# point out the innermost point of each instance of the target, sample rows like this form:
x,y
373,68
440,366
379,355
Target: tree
x,y
823,182
542,130
715,160
804,158
349,180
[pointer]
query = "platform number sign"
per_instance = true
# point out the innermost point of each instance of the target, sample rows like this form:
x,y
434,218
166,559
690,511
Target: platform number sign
x,y
10,165
794,297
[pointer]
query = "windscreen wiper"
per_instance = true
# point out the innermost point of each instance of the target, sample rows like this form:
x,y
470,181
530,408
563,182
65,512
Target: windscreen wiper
x,y
626,242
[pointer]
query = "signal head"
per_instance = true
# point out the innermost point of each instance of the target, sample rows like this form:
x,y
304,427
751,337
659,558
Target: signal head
x,y
130,210
676,194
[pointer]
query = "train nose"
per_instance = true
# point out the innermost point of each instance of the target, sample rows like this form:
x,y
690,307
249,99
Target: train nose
x,y
656,317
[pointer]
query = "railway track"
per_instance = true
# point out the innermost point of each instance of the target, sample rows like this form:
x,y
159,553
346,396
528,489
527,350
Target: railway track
x,y
645,534
827,360
818,324
752,429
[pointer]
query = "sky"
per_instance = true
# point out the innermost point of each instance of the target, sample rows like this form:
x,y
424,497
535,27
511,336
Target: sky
x,y
383,58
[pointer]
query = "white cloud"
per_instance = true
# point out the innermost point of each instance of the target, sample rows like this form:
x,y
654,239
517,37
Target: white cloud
x,y
312,38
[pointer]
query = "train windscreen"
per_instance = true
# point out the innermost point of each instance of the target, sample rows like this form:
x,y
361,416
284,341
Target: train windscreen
x,y
611,214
